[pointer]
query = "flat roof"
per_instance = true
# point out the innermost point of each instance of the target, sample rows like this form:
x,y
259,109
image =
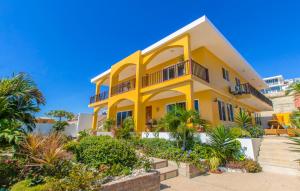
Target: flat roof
x,y
204,33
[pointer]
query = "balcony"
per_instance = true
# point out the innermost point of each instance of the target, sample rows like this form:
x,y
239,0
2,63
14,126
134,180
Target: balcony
x,y
123,87
248,89
176,71
100,97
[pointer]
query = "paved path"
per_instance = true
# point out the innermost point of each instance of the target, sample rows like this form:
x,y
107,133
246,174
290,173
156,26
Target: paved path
x,y
234,182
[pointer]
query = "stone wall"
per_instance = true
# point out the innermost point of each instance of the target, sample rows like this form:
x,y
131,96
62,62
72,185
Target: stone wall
x,y
186,169
146,182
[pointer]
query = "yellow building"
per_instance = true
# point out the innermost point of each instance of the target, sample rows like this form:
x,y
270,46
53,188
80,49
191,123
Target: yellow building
x,y
194,67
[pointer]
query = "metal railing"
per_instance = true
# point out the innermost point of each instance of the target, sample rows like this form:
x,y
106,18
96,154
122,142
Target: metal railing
x,y
249,89
123,87
100,97
175,71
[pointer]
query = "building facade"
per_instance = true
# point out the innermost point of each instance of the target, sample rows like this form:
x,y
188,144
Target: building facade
x,y
283,104
194,67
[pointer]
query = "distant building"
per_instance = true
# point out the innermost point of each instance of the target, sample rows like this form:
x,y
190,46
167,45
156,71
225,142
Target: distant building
x,y
282,103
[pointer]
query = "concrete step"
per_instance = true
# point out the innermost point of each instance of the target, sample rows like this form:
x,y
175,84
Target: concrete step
x,y
168,172
159,163
280,170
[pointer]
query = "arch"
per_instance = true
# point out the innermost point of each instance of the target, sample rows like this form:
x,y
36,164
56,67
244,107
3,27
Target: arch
x,y
118,70
146,98
113,103
159,51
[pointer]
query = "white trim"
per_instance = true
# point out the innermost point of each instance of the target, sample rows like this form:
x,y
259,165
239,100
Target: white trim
x,y
175,34
93,80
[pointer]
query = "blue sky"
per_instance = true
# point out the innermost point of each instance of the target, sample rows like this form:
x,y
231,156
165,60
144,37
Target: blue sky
x,y
63,44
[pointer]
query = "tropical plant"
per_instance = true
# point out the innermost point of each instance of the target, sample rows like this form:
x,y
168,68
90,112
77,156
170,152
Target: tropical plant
x,y
296,142
20,99
44,150
224,144
62,116
243,119
252,166
295,119
82,134
127,128
11,133
294,88
256,131
214,163
181,124
108,124
239,132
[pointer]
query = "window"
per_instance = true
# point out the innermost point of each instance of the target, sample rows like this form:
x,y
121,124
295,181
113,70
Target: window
x,y
225,74
237,82
196,105
257,118
230,113
121,116
180,69
171,107
222,112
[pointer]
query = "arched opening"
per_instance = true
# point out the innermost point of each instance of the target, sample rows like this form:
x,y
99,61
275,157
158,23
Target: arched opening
x,y
120,110
164,65
123,79
158,104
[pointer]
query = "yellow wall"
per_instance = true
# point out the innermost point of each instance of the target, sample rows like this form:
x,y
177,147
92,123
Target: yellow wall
x,y
217,87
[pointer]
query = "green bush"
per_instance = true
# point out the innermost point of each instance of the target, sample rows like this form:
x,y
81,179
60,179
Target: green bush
x,y
252,166
202,151
9,172
104,150
154,146
239,132
25,186
256,131
127,128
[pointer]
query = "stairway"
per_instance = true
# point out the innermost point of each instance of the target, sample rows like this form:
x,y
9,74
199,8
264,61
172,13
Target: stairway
x,y
166,171
276,156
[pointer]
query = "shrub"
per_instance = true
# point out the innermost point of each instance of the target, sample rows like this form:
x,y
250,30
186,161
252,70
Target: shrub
x,y
239,132
256,131
224,144
235,164
125,131
71,146
104,150
44,150
214,163
252,166
202,151
80,177
25,186
82,134
154,146
9,172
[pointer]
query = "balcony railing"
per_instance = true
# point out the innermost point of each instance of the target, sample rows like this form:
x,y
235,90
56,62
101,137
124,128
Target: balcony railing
x,y
175,71
123,87
249,89
100,97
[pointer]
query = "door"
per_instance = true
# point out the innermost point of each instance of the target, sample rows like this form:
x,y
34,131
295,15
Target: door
x,y
148,114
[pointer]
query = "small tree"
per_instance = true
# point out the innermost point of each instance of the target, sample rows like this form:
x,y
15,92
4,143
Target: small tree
x,y
243,119
177,121
62,117
127,127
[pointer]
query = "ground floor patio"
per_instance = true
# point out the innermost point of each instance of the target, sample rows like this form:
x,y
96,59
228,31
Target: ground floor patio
x,y
234,182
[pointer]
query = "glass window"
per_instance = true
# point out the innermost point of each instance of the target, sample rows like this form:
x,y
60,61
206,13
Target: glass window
x,y
225,74
222,112
230,113
171,107
121,116
196,105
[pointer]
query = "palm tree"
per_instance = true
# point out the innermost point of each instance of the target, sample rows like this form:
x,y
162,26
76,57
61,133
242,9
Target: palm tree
x,y
294,88
295,119
177,121
62,116
20,99
243,119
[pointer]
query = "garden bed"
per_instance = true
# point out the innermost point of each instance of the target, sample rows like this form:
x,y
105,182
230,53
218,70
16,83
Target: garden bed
x,y
147,182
